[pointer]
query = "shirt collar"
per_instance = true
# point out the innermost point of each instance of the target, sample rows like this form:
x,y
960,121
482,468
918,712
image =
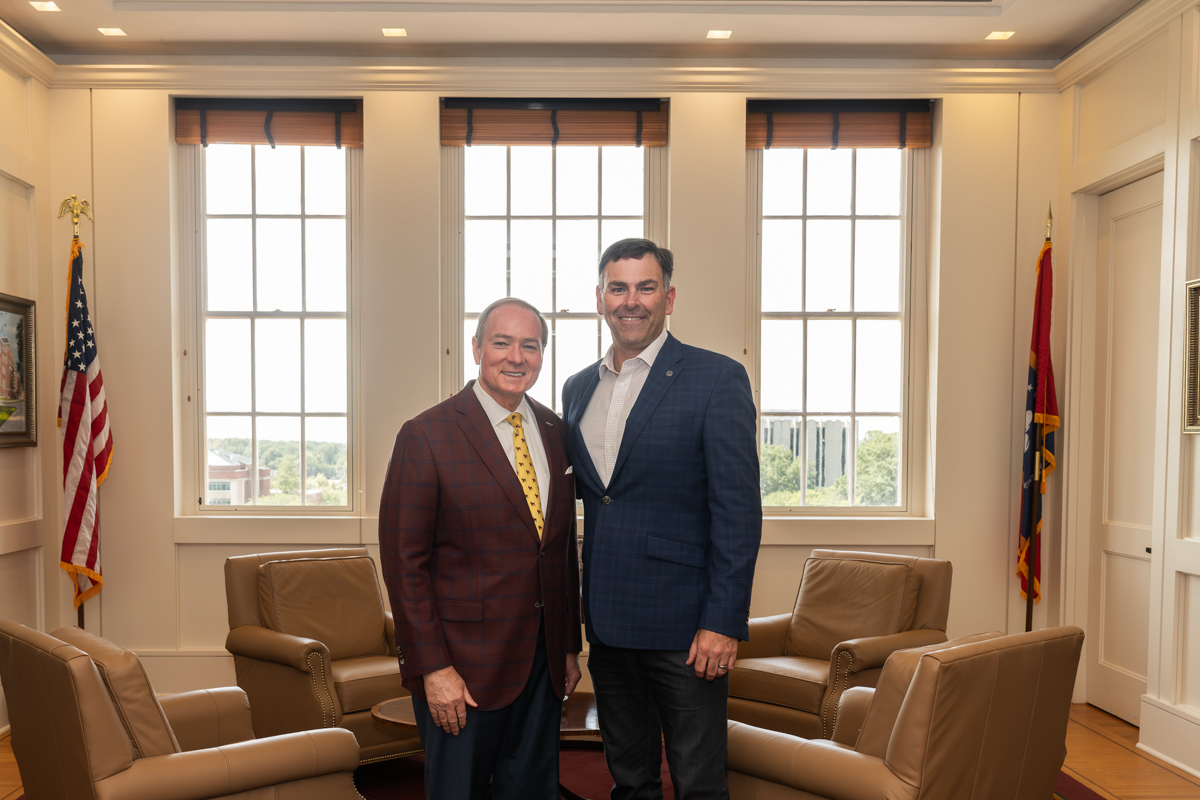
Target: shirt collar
x,y
649,355
497,413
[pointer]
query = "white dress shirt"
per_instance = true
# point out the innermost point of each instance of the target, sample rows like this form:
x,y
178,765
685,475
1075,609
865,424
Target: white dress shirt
x,y
603,421
498,416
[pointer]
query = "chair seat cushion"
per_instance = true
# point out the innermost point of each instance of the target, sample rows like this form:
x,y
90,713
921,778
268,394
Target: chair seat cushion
x,y
333,600
362,682
843,599
794,682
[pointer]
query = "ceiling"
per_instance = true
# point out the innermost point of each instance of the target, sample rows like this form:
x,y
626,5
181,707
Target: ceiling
x,y
1044,30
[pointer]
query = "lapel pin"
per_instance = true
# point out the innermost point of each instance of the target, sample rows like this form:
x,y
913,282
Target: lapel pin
x,y
670,373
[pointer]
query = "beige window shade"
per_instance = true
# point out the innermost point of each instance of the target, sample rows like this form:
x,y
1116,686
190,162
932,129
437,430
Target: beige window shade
x,y
208,121
848,123
468,121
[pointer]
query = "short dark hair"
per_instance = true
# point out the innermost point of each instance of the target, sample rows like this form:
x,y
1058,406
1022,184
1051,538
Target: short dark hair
x,y
636,248
511,301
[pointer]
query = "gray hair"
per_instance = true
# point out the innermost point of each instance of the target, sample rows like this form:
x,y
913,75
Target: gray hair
x,y
511,301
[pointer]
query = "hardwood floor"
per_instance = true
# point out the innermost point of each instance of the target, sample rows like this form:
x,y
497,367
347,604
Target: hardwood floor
x,y
1102,754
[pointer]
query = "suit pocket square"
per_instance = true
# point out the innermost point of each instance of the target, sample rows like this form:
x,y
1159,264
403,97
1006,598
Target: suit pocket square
x,y
569,471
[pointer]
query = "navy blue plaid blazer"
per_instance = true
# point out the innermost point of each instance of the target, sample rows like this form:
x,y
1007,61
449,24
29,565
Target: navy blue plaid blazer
x,y
670,544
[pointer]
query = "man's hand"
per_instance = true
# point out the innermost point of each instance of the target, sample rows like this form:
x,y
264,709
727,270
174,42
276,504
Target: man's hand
x,y
573,674
712,654
448,698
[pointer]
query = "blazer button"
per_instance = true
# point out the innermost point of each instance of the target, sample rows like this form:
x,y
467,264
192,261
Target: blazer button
x,y
606,499
538,604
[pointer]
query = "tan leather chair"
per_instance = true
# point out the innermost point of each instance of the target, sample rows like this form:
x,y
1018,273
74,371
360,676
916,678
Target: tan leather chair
x,y
985,720
313,647
852,611
86,726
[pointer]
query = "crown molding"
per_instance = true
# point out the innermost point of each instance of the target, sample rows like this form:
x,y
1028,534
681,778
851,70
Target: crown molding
x,y
1122,38
26,60
766,77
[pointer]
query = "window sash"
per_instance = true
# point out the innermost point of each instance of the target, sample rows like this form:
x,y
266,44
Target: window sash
x,y
195,218
908,481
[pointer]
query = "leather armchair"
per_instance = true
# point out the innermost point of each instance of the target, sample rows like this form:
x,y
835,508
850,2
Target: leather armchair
x,y
313,647
86,726
852,611
983,720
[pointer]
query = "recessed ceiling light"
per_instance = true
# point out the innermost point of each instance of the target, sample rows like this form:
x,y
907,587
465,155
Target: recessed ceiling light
x,y
999,34
395,32
111,31
719,34
44,6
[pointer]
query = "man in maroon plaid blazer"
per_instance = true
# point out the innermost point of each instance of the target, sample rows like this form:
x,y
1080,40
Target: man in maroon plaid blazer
x,y
484,576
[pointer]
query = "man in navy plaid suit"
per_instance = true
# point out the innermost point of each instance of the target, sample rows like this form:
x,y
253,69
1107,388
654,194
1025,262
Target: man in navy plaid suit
x,y
662,437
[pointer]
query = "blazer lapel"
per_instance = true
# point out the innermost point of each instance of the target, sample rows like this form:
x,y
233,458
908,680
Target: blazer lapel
x,y
586,468
480,433
551,428
663,373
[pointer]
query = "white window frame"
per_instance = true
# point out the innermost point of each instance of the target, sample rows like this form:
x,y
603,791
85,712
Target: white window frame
x,y
453,214
193,467
915,466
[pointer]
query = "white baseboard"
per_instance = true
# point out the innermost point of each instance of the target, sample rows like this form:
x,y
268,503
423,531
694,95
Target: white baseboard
x,y
1171,734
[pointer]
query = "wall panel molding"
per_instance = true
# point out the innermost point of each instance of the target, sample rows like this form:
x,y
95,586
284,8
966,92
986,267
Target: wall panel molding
x,y
843,78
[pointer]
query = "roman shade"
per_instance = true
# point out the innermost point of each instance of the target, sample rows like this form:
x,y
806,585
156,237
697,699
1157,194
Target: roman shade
x,y
839,123
470,121
206,120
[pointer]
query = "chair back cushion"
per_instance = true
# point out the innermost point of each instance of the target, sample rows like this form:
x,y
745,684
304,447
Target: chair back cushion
x,y
333,600
933,602
241,579
988,720
843,598
66,733
893,685
131,692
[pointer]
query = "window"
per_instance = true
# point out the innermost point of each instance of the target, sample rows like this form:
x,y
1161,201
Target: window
x,y
536,219
834,337
273,321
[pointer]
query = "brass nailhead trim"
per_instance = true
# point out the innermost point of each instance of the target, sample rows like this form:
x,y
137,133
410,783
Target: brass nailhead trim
x,y
841,676
317,689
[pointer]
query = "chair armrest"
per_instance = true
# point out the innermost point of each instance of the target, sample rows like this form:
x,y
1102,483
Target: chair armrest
x,y
819,767
852,710
242,767
208,717
870,652
767,635
265,644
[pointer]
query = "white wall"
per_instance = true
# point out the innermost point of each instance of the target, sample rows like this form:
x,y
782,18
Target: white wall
x,y
25,228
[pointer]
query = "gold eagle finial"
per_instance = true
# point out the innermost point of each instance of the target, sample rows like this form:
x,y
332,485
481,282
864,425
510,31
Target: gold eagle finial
x,y
74,206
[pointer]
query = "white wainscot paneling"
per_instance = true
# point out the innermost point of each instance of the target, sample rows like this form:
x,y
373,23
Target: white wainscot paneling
x,y
18,586
18,476
1189,642
15,229
1124,637
14,113
203,614
1193,528
1124,101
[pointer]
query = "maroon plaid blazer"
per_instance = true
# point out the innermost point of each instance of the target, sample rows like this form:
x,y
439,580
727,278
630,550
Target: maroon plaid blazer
x,y
468,579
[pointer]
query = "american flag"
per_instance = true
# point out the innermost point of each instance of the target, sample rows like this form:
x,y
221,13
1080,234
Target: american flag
x,y
87,442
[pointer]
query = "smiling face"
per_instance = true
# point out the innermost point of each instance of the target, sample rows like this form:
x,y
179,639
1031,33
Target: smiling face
x,y
509,354
635,304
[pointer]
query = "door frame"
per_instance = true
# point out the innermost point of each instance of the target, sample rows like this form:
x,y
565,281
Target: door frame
x,y
1079,413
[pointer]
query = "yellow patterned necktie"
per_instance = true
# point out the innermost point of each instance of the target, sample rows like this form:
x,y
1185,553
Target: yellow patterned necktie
x,y
526,472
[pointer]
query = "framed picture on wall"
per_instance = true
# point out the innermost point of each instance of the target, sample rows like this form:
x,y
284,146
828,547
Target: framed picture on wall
x,y
18,420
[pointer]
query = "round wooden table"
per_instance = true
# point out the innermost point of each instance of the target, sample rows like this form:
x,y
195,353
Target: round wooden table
x,y
579,726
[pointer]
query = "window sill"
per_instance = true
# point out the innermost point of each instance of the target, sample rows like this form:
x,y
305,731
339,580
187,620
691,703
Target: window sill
x,y
212,529
890,531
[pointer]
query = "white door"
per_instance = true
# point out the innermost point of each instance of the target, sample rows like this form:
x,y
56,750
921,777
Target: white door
x,y
1129,262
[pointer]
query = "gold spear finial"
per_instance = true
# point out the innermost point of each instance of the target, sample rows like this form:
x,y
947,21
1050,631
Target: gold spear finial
x,y
74,206
1049,221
